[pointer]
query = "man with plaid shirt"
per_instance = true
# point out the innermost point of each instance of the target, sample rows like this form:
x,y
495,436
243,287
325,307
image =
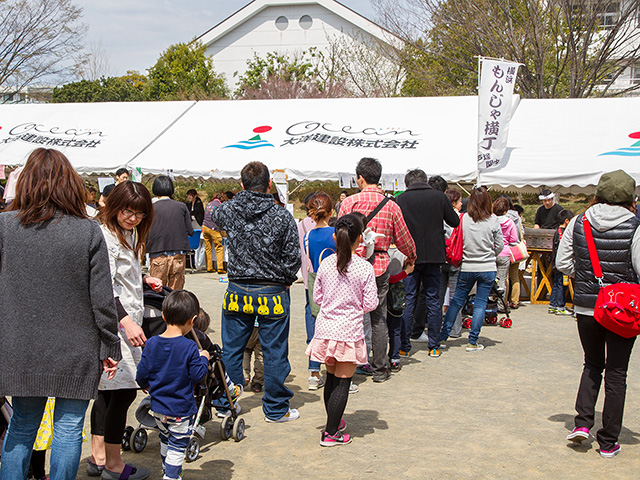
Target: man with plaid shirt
x,y
389,222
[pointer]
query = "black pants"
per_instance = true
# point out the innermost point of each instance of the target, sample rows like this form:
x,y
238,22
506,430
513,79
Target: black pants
x,y
608,352
109,413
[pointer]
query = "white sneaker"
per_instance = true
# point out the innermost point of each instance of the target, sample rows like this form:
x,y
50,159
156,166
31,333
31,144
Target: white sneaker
x,y
474,348
315,383
421,339
353,388
290,416
227,413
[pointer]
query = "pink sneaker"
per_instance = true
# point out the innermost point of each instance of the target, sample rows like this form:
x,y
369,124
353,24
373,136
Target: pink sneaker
x,y
579,434
610,453
338,439
342,426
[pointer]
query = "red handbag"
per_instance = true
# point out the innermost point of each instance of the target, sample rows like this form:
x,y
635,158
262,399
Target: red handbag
x,y
454,246
618,305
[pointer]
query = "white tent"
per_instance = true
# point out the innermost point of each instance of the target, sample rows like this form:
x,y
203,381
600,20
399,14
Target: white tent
x,y
565,143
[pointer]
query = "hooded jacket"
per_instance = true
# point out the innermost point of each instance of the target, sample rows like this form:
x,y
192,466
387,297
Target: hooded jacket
x,y
615,232
262,239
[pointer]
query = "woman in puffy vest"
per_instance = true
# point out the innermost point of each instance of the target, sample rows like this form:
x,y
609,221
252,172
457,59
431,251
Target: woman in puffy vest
x,y
615,232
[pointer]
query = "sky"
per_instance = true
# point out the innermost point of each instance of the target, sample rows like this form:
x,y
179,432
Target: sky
x,y
133,33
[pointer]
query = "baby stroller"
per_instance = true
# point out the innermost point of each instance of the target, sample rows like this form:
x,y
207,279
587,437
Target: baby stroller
x,y
491,312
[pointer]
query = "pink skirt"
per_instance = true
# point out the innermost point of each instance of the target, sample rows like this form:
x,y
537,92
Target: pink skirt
x,y
332,351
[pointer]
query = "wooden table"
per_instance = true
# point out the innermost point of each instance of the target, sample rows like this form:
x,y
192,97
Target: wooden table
x,y
541,276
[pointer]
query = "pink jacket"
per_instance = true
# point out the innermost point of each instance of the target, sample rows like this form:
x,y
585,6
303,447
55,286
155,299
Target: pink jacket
x,y
344,299
509,234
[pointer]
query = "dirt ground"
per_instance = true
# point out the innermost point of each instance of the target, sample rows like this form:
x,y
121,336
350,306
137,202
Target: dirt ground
x,y
500,413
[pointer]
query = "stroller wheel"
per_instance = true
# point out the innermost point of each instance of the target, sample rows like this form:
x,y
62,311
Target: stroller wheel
x,y
466,323
506,322
193,449
491,320
138,440
126,438
238,429
226,428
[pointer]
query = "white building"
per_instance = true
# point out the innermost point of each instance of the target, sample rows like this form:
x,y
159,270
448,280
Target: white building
x,y
287,27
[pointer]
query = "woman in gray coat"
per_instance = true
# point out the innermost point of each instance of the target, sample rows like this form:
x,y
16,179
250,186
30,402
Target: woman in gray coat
x,y
58,321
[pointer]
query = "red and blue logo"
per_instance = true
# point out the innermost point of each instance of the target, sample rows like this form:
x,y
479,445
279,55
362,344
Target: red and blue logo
x,y
632,151
253,142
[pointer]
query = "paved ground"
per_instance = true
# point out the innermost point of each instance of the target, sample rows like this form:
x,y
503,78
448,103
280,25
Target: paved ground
x,y
499,413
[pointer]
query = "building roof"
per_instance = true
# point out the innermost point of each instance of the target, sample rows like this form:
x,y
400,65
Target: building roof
x,y
256,6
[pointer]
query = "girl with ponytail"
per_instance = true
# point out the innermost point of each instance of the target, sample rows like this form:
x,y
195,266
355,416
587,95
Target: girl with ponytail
x,y
345,288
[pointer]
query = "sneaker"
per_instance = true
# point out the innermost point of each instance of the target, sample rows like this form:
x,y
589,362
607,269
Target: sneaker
x,y
290,416
342,426
434,352
131,472
227,412
364,370
454,335
552,310
474,348
421,339
579,434
514,306
256,387
315,383
610,453
563,311
382,378
338,439
353,388
442,345
404,354
395,367
94,470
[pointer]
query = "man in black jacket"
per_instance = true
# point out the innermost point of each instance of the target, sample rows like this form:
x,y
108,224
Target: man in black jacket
x,y
425,209
264,258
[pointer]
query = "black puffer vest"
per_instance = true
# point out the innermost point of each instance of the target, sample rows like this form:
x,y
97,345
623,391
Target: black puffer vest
x,y
614,252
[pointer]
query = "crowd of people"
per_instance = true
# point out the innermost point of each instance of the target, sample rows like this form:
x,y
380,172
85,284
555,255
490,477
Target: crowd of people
x,y
376,280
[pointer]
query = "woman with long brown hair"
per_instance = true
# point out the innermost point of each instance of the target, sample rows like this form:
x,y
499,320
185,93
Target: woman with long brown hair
x,y
126,220
58,316
481,244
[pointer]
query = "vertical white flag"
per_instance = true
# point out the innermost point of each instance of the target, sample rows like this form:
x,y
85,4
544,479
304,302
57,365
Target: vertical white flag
x,y
495,106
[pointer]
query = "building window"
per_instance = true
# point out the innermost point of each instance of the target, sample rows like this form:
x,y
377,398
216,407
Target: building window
x,y
609,15
305,22
635,75
282,23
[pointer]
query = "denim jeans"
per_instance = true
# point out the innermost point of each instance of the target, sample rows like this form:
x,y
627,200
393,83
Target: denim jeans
x,y
66,447
310,323
242,304
466,281
427,274
558,291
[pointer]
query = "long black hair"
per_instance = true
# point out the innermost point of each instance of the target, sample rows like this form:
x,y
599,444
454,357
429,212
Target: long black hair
x,y
348,229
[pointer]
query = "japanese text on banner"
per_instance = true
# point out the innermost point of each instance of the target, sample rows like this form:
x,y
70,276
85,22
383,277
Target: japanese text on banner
x,y
495,107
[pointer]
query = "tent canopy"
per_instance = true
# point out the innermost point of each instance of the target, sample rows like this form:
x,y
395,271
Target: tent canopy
x,y
563,143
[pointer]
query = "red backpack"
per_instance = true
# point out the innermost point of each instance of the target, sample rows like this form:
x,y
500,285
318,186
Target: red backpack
x,y
454,245
618,305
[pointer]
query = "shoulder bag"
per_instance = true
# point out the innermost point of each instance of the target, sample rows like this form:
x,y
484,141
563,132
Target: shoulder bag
x,y
454,245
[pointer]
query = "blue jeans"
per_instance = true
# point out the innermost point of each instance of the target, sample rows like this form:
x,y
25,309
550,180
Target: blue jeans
x,y
427,274
242,304
310,323
66,447
466,281
558,291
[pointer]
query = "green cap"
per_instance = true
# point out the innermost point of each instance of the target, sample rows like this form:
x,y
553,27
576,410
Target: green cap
x,y
616,187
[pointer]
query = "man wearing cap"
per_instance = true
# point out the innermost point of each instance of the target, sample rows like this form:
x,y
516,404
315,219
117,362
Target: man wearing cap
x,y
547,213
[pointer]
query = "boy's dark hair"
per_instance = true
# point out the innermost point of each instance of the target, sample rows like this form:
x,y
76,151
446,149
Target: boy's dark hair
x,y
255,177
565,215
518,208
438,183
345,192
202,321
179,307
362,217
229,194
162,186
370,169
193,192
120,171
414,176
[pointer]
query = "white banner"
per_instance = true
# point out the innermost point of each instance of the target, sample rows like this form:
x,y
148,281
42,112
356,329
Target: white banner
x,y
495,107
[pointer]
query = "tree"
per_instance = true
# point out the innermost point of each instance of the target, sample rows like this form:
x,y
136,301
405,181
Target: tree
x,y
567,48
94,63
38,38
184,72
128,88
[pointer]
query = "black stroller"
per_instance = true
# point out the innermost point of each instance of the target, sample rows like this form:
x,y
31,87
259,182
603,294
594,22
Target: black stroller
x,y
491,312
213,387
